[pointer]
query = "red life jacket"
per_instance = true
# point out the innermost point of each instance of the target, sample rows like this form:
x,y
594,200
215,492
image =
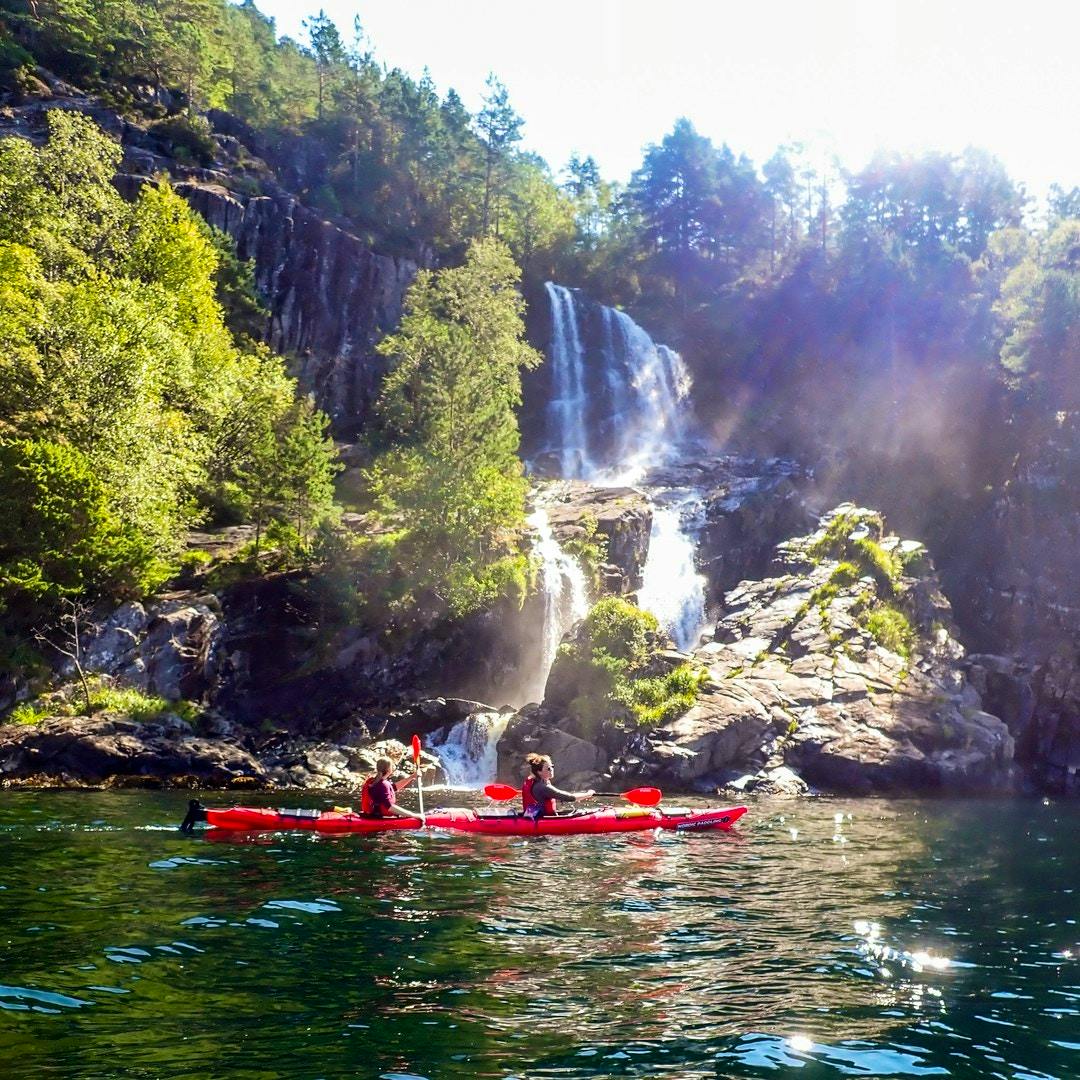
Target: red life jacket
x,y
367,803
529,804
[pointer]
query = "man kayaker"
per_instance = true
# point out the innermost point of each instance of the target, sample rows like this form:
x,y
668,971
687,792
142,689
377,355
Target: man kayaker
x,y
378,796
538,794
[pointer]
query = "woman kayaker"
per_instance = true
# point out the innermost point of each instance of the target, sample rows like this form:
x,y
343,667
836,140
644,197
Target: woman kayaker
x,y
378,796
538,794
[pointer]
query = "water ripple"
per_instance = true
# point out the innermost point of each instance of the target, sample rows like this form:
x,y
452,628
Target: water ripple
x,y
15,998
773,950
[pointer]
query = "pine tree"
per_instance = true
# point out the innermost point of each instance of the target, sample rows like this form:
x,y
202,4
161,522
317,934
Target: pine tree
x,y
454,483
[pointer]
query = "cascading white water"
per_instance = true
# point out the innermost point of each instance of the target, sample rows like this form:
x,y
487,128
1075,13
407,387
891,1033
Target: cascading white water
x,y
567,429
647,428
672,589
632,421
469,750
630,416
637,416
566,597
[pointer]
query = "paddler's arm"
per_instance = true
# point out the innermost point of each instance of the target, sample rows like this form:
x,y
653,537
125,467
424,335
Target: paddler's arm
x,y
404,783
542,792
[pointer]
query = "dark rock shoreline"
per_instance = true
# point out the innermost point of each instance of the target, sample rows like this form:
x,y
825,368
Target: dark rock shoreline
x,y
800,696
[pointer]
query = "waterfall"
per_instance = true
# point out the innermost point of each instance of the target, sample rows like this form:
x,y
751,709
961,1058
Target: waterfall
x,y
565,593
567,429
647,427
672,589
625,397
618,399
468,751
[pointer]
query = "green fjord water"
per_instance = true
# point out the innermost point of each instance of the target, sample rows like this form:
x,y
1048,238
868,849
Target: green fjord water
x,y
822,938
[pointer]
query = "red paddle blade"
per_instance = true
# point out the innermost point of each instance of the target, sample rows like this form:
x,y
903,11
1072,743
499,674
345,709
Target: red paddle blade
x,y
416,749
501,792
644,796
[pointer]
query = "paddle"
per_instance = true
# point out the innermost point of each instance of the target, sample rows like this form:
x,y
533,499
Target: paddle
x,y
641,796
419,775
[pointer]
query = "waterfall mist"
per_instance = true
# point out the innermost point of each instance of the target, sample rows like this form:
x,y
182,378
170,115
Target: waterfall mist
x,y
565,592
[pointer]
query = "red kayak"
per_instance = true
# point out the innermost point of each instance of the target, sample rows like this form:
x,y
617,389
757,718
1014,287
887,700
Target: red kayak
x,y
490,822
253,817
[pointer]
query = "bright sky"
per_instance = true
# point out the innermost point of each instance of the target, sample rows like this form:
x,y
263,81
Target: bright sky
x,y
608,77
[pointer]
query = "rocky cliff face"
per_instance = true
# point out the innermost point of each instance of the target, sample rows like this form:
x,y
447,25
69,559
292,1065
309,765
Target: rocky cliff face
x,y
330,297
1018,598
839,670
621,515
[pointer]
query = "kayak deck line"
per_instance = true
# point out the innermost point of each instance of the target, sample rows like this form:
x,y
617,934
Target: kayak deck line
x,y
463,819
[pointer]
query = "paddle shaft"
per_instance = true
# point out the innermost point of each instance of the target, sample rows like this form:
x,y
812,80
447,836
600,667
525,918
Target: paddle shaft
x,y
419,772
643,796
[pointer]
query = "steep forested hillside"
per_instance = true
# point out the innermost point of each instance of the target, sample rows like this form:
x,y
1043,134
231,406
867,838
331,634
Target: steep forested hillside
x,y
911,330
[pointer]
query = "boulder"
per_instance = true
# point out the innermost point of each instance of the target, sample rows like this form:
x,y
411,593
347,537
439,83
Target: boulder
x,y
115,751
171,649
578,761
797,681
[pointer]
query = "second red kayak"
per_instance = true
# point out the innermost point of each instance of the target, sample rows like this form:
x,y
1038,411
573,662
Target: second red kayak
x,y
490,822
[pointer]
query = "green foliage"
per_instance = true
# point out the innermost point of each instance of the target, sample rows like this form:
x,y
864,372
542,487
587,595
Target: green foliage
x,y
125,405
19,659
882,565
136,705
701,210
590,549
453,481
845,573
194,560
58,534
285,477
666,697
28,713
890,628
861,554
108,698
615,627
606,675
190,138
835,541
58,200
1040,305
14,61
